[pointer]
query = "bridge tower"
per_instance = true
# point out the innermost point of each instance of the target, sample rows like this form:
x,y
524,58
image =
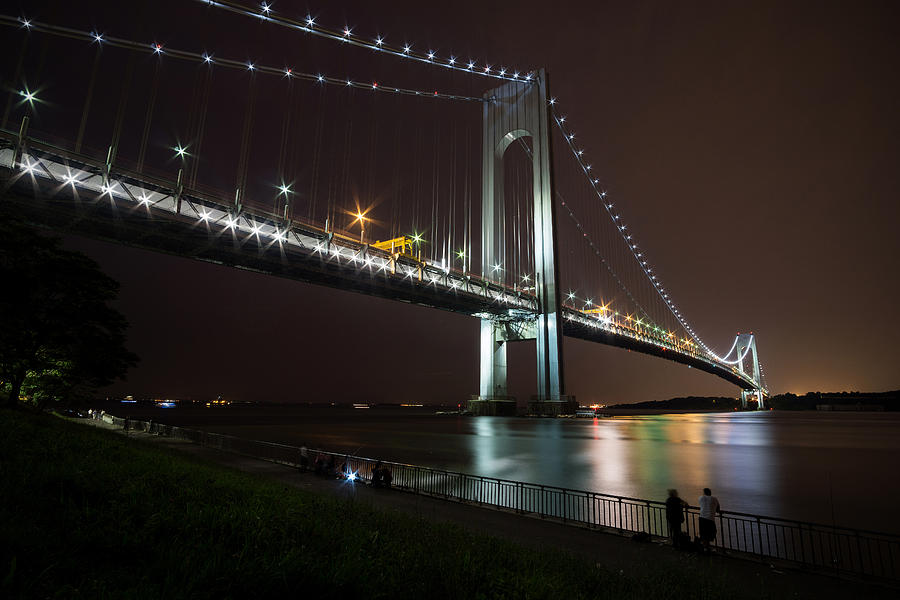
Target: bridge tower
x,y
746,344
514,110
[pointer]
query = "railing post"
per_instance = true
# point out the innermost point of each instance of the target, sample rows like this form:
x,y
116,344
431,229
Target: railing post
x,y
647,522
759,536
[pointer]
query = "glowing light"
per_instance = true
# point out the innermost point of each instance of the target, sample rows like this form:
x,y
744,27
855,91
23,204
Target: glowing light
x,y
25,23
204,216
498,267
320,78
471,65
207,58
379,41
571,295
250,66
502,71
145,199
552,101
288,72
310,21
157,48
417,238
98,37
487,68
430,55
266,7
452,60
28,95
284,189
406,48
346,33
71,179
180,152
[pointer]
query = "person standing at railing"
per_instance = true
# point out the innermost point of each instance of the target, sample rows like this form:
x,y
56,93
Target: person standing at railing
x,y
709,506
675,516
304,457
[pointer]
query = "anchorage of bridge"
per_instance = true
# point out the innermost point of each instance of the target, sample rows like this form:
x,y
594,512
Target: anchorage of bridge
x,y
151,203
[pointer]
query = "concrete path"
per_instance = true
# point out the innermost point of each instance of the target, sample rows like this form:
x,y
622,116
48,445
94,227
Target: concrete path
x,y
745,579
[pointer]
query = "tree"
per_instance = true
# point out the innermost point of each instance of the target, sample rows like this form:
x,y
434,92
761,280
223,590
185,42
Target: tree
x,y
59,337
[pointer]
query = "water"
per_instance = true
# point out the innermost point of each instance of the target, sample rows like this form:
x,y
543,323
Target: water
x,y
832,468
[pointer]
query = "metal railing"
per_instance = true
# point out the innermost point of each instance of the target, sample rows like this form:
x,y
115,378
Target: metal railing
x,y
821,548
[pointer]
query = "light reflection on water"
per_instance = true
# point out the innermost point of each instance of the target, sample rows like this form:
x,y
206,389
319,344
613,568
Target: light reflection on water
x,y
806,466
639,457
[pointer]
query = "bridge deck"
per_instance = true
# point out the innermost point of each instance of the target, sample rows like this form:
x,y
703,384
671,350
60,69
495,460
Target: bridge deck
x,y
55,188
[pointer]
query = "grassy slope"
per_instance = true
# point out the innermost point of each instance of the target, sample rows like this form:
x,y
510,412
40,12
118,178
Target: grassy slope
x,y
88,513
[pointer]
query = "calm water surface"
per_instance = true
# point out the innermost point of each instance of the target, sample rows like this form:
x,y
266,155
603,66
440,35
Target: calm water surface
x,y
820,467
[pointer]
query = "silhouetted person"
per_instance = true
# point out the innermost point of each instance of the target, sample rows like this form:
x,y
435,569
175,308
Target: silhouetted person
x,y
675,516
319,465
376,475
304,458
709,506
386,477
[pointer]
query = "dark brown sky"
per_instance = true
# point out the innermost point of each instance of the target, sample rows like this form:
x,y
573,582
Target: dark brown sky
x,y
752,147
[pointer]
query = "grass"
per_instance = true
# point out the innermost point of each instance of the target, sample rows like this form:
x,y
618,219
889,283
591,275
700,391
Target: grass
x,y
86,513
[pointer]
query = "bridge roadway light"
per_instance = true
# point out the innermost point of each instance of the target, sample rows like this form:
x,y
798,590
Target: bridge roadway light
x,y
28,96
361,217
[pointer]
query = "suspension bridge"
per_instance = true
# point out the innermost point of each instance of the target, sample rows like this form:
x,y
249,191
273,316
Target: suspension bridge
x,y
444,182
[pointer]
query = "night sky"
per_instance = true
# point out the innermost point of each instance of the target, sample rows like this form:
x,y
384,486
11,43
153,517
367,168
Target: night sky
x,y
753,147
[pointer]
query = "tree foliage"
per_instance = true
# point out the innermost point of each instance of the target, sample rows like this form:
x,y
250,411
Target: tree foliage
x,y
59,336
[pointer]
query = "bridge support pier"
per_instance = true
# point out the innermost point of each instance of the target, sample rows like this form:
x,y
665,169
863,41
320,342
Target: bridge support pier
x,y
757,395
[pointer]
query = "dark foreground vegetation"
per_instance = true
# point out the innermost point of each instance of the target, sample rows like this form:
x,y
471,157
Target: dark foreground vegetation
x,y
88,513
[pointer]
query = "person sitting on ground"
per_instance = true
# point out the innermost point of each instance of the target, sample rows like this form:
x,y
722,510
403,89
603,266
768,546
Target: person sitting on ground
x,y
344,471
376,475
675,516
319,465
709,506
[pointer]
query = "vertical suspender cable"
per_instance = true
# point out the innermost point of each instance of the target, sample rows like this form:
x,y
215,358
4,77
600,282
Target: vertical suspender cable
x,y
148,119
16,76
243,160
201,127
123,104
87,100
316,160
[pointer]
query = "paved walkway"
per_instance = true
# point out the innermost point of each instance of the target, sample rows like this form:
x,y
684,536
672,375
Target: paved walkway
x,y
744,578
